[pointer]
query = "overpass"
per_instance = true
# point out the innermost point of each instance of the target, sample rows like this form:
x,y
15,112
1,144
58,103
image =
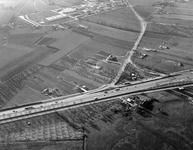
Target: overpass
x,y
104,94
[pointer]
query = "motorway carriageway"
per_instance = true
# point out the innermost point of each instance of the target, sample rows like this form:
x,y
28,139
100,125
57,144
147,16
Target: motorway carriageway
x,y
93,91
87,98
62,106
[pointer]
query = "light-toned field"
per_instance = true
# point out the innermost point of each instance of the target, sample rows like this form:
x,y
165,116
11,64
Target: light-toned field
x,y
27,8
10,53
68,42
168,67
144,2
24,39
123,19
111,32
67,2
92,47
187,5
8,3
5,16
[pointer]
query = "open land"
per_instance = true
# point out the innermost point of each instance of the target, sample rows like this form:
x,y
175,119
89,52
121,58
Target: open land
x,y
49,49
110,122
117,19
86,48
174,13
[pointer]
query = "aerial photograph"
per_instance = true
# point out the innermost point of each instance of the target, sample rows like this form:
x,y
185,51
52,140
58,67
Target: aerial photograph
x,y
96,74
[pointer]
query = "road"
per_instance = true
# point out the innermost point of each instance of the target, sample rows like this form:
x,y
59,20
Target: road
x,y
104,93
130,53
58,104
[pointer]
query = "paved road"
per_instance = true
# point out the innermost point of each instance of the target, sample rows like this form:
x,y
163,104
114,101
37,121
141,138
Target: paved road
x,y
49,106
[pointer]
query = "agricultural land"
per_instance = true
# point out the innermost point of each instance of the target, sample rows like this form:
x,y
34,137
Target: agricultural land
x,y
54,48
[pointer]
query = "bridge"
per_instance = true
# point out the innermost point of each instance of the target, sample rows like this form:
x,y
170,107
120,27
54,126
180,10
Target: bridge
x,y
167,82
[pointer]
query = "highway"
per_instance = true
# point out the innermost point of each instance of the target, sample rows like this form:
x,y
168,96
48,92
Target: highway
x,y
61,103
104,93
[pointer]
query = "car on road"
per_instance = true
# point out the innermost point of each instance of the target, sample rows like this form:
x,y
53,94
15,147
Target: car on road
x,y
95,98
181,88
117,89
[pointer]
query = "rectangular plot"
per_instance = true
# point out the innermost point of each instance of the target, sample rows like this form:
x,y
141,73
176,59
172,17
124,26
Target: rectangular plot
x,y
57,67
123,19
72,61
156,36
82,33
93,47
65,45
150,43
44,41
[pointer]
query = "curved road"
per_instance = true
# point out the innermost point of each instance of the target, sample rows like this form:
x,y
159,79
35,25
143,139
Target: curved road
x,y
130,53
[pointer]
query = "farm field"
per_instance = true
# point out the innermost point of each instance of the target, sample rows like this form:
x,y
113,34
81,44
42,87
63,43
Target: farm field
x,y
73,77
164,62
144,2
149,62
179,10
22,62
26,95
64,44
168,67
25,28
94,46
123,19
56,145
170,29
67,2
176,16
111,32
175,13
153,40
105,122
11,52
181,44
47,79
24,39
33,59
144,11
163,20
